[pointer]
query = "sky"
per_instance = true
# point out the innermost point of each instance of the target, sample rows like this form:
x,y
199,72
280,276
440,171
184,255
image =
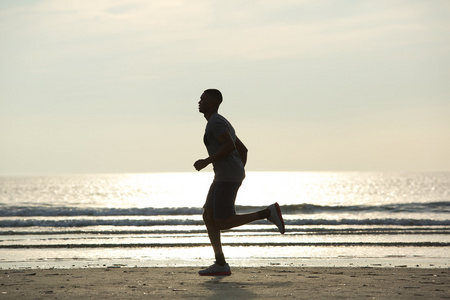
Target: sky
x,y
112,86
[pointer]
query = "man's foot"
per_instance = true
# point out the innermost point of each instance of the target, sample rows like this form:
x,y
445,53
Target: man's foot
x,y
276,217
216,270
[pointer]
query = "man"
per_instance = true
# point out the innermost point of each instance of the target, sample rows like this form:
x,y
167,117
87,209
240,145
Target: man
x,y
228,155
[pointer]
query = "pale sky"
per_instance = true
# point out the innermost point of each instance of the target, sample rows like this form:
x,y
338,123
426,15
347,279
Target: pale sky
x,y
112,86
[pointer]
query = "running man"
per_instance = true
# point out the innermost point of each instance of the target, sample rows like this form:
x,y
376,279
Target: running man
x,y
228,155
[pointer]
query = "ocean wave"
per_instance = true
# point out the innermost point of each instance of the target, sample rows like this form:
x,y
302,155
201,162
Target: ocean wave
x,y
15,223
46,211
257,231
235,244
415,207
22,211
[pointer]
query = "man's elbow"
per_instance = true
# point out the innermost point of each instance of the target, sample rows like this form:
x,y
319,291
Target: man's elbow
x,y
229,148
241,148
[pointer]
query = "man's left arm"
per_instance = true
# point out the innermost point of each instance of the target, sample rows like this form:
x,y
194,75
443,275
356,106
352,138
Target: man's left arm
x,y
242,150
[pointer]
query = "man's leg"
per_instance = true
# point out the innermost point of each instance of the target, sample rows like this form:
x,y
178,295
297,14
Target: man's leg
x,y
214,235
214,226
239,220
224,197
271,213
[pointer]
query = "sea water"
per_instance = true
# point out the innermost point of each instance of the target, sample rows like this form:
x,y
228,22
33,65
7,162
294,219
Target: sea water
x,y
336,218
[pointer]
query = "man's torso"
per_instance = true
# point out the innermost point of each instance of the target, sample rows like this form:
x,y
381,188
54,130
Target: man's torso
x,y
231,168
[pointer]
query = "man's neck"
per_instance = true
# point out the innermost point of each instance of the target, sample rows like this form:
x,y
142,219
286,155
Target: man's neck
x,y
208,115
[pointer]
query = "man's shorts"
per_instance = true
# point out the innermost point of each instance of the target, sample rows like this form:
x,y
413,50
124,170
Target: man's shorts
x,y
221,198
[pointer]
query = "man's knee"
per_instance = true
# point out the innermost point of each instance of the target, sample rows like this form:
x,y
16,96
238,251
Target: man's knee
x,y
223,224
208,216
210,221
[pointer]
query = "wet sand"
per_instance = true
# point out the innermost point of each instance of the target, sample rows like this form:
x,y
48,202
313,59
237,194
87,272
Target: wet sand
x,y
244,283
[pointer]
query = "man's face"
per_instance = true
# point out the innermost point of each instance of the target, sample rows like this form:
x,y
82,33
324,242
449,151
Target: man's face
x,y
205,104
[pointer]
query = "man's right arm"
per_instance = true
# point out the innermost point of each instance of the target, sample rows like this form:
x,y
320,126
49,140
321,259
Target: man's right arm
x,y
226,147
242,150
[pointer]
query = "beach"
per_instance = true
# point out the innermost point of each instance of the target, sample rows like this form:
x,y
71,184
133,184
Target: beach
x,y
348,235
116,282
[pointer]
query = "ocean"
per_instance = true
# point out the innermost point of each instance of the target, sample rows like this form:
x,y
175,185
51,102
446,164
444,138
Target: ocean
x,y
332,219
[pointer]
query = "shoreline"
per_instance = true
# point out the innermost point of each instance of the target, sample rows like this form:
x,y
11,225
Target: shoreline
x,y
393,263
313,256
341,262
380,257
245,283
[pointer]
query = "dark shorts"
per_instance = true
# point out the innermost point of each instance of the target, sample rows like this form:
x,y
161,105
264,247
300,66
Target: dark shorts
x,y
221,198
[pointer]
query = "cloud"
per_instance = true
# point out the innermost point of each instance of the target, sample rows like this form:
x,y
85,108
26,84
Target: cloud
x,y
209,30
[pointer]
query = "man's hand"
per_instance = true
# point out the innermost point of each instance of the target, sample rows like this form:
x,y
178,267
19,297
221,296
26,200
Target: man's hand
x,y
200,164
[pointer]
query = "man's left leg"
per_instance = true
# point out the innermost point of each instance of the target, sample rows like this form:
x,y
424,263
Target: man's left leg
x,y
220,267
214,235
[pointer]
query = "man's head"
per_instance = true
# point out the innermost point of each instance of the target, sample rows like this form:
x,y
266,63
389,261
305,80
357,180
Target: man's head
x,y
215,94
210,101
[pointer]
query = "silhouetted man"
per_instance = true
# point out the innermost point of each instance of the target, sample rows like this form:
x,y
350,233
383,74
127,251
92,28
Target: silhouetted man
x,y
228,155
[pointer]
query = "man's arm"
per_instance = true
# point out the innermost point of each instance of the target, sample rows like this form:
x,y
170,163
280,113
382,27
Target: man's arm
x,y
226,147
242,150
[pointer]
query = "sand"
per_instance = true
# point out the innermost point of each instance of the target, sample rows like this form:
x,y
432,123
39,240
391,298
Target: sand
x,y
244,283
